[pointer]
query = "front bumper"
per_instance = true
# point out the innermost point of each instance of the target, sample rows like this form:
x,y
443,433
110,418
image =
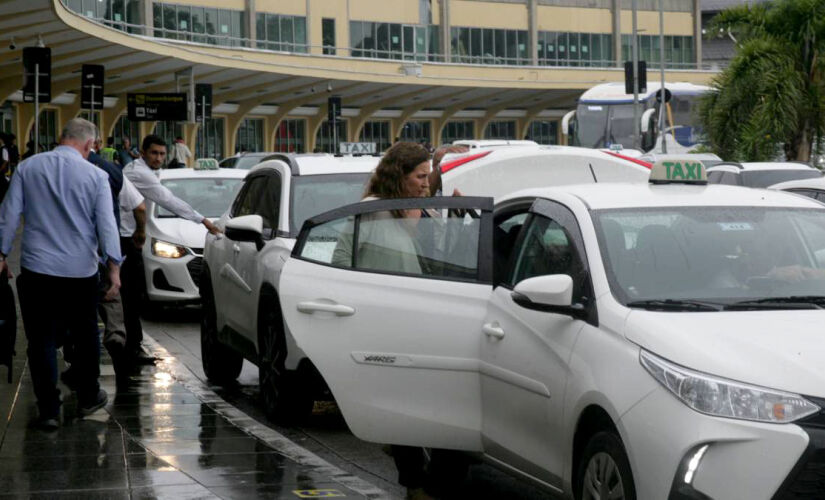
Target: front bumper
x,y
172,280
807,479
742,460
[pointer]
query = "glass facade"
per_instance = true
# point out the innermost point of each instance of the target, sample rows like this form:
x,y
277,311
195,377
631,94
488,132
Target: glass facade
x,y
328,36
250,137
543,132
115,13
417,131
279,32
557,48
126,128
200,24
489,46
290,136
377,132
214,140
456,131
325,140
679,51
394,41
168,131
501,130
47,130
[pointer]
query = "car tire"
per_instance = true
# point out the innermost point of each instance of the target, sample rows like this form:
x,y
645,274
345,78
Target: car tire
x,y
285,395
446,471
221,364
604,469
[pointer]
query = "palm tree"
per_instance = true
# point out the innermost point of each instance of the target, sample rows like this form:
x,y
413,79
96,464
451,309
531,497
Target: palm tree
x,y
772,95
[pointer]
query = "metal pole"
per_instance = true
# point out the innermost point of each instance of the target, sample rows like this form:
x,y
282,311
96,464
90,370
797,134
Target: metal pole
x,y
203,126
36,108
334,134
635,48
92,106
662,105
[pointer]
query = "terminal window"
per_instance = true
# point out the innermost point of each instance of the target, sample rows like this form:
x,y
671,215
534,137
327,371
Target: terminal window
x,y
394,41
282,33
199,24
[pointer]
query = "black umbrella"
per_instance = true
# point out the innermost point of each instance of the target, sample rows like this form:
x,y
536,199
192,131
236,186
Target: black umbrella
x,y
8,323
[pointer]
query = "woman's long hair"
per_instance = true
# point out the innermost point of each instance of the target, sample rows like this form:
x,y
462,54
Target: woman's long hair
x,y
387,181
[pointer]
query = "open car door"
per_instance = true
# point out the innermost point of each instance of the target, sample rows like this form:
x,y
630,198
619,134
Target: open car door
x,y
389,308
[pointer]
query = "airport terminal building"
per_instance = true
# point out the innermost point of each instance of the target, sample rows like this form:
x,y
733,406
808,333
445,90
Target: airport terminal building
x,y
430,71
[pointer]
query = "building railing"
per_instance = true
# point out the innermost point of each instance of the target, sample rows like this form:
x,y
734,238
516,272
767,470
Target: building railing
x,y
297,48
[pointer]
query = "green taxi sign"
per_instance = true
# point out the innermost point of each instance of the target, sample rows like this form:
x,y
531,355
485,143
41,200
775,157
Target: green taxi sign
x,y
684,171
206,164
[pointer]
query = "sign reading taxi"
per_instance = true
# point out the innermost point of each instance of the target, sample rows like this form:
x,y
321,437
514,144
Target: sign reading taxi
x,y
683,171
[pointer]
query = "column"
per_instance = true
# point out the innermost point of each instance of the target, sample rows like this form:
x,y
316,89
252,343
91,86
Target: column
x,y
533,31
445,29
697,32
251,27
147,17
617,32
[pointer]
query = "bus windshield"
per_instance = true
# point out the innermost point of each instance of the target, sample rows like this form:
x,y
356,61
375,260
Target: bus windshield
x,y
600,125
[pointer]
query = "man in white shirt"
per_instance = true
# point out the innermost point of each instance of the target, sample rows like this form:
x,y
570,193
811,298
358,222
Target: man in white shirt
x,y
179,154
143,173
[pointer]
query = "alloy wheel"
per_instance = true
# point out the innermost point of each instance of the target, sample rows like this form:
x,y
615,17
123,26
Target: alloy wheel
x,y
602,479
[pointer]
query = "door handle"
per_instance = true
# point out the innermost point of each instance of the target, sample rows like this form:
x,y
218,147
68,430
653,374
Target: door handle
x,y
492,330
313,307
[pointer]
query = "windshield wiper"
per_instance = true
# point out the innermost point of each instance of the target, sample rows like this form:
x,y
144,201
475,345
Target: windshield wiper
x,y
675,305
789,302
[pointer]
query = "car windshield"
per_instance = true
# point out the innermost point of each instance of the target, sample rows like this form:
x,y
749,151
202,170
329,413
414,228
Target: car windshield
x,y
209,196
247,162
765,178
316,194
721,255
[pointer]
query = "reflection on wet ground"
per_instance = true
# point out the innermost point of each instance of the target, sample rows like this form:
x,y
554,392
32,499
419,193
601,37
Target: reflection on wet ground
x,y
155,439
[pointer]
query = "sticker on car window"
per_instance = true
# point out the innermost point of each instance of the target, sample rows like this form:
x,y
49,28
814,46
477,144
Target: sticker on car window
x,y
736,226
594,108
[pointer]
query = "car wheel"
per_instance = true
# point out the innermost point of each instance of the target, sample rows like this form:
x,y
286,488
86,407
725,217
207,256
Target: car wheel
x,y
604,470
221,364
285,395
445,470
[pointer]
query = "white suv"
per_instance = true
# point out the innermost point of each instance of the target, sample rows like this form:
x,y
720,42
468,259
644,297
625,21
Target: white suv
x,y
241,270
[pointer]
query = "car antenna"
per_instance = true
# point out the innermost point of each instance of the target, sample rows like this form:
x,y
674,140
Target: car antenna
x,y
593,173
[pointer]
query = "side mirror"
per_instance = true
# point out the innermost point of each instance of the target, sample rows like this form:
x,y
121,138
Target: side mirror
x,y
645,123
565,122
246,228
552,293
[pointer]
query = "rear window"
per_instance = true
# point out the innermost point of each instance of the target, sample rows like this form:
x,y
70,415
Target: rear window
x,y
765,178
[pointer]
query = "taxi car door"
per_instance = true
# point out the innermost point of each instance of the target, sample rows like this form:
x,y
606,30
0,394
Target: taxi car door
x,y
389,310
232,290
525,353
248,262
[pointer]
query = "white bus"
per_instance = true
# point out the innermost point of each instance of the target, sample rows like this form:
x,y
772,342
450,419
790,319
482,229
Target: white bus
x,y
604,118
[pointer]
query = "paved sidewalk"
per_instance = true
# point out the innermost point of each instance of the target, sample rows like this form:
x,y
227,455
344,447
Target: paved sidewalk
x,y
167,436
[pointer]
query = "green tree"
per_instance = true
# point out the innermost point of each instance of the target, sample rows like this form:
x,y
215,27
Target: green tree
x,y
771,97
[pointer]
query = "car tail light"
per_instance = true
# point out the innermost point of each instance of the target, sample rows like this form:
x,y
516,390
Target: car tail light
x,y
446,167
628,158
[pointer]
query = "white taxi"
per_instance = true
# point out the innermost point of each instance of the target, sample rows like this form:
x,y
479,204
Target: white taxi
x,y
173,253
656,340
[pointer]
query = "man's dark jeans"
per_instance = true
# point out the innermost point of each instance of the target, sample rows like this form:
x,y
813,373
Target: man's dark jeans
x,y
132,286
59,310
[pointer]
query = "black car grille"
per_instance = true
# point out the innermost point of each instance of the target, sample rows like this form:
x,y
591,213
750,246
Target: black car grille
x,y
194,266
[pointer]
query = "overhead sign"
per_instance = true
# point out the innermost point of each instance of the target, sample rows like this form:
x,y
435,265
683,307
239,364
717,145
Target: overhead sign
x,y
333,108
156,107
91,86
37,60
203,101
357,148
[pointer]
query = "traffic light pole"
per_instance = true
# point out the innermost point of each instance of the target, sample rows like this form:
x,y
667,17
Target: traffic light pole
x,y
663,104
635,46
203,126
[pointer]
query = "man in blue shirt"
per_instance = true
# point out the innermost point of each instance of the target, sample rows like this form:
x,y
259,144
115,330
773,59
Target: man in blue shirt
x,y
67,206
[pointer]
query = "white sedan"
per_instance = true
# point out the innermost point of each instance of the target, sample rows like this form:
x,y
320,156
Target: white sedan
x,y
604,341
173,253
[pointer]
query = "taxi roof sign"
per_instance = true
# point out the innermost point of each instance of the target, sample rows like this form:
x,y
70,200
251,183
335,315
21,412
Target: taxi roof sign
x,y
206,164
678,170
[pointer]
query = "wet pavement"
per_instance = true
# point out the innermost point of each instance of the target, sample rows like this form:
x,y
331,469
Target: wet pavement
x,y
167,435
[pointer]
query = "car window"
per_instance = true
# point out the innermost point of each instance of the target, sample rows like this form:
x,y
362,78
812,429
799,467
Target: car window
x,y
715,176
439,244
729,178
765,178
547,248
505,234
249,198
247,162
810,193
210,196
316,194
228,162
269,207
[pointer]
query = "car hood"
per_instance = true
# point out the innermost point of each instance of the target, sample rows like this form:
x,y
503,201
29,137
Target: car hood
x,y
779,349
179,231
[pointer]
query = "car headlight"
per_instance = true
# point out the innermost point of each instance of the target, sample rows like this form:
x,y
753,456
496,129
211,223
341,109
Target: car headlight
x,y
168,250
725,398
